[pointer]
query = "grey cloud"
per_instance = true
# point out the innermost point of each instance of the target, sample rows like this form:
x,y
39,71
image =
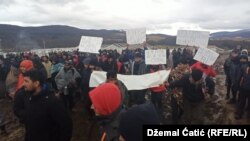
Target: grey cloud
x,y
7,2
60,2
207,14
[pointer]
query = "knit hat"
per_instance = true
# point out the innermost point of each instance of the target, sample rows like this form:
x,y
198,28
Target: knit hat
x,y
106,98
27,64
133,119
244,52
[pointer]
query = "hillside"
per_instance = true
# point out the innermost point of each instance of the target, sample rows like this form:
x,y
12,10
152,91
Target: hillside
x,y
53,36
59,36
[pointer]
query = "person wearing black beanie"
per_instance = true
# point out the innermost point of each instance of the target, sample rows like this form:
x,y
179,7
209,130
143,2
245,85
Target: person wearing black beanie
x,y
133,119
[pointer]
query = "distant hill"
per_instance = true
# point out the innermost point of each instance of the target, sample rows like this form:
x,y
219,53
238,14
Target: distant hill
x,y
59,36
53,36
241,34
230,40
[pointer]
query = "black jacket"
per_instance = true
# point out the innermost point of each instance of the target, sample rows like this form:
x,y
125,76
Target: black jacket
x,y
44,116
193,92
109,125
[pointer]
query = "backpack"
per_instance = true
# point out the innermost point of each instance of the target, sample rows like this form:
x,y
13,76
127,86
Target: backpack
x,y
245,83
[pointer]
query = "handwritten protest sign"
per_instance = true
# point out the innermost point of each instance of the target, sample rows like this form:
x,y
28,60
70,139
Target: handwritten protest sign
x,y
90,44
192,38
135,36
206,56
155,57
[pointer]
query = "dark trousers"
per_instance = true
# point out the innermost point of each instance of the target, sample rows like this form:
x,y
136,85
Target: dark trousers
x,y
244,96
53,82
193,113
68,99
137,97
228,84
156,98
87,104
2,125
234,89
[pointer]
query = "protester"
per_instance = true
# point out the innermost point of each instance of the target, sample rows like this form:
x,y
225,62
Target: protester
x,y
47,65
234,75
194,89
66,83
228,81
44,116
55,68
132,121
25,65
138,67
4,69
39,66
244,90
107,103
157,92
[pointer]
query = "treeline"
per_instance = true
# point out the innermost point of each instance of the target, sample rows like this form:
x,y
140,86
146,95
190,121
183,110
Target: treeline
x,y
230,44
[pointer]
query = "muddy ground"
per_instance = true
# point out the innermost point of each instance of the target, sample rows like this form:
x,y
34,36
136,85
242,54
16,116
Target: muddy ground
x,y
83,129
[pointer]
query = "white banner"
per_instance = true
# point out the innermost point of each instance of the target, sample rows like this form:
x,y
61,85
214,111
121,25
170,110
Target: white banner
x,y
132,82
206,56
155,57
136,36
90,44
192,38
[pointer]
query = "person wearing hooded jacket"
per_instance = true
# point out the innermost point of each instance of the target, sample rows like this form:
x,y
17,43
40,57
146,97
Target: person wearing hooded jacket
x,y
234,75
107,104
66,83
244,89
55,68
20,96
25,65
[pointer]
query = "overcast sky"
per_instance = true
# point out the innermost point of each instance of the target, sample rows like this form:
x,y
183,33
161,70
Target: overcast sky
x,y
158,16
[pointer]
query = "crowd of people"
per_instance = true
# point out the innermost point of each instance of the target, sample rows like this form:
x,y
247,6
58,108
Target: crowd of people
x,y
236,68
44,90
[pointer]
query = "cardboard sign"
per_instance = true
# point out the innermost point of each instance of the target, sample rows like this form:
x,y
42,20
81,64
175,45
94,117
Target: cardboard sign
x,y
142,81
192,38
90,44
135,36
155,57
206,56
